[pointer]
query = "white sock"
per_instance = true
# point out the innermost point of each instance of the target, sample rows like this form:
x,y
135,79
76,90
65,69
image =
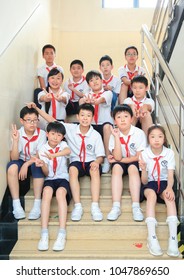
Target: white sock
x,y
44,231
94,205
151,225
78,205
135,204
37,203
62,231
16,203
116,204
172,222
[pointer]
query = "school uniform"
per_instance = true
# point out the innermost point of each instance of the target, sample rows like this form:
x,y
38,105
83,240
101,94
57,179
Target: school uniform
x,y
124,71
58,171
115,83
44,70
29,147
157,168
133,101
132,143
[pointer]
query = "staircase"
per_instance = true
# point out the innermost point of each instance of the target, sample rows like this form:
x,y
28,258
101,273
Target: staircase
x,y
122,239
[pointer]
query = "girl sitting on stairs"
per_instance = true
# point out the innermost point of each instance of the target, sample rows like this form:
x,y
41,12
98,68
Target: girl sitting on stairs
x,y
157,164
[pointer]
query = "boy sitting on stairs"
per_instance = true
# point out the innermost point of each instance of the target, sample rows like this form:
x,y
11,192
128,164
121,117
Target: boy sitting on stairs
x,y
54,165
87,152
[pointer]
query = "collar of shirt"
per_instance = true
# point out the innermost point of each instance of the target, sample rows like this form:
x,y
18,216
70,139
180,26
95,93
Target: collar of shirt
x,y
48,147
131,132
50,67
151,155
133,97
87,134
128,70
22,131
78,82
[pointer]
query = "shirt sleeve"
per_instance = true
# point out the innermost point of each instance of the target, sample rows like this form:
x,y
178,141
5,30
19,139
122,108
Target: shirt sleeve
x,y
108,98
171,160
111,143
99,147
41,139
122,72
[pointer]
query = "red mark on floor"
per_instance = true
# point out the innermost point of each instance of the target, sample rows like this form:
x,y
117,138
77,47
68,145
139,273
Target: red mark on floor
x,y
138,245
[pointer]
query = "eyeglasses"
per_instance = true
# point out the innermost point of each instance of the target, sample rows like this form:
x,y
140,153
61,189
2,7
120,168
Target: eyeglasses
x,y
131,54
31,121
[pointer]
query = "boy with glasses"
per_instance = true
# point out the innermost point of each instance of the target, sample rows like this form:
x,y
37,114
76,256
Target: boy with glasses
x,y
25,145
128,72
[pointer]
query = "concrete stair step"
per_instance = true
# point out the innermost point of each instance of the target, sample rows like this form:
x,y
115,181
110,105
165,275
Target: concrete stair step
x,y
88,249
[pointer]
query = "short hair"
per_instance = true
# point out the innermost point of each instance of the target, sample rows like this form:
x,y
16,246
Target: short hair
x,y
56,127
48,46
77,61
140,79
106,57
25,110
91,74
131,47
55,71
87,107
161,128
122,108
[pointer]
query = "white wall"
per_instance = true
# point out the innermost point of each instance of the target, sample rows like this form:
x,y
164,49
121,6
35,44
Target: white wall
x,y
25,28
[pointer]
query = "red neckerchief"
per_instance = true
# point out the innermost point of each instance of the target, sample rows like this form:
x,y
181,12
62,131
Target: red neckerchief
x,y
53,106
33,138
54,159
131,75
157,167
137,103
75,85
82,151
47,68
126,144
106,82
96,95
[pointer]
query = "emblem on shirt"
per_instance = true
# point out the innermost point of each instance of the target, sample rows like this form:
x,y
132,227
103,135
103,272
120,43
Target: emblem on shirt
x,y
164,163
89,147
132,146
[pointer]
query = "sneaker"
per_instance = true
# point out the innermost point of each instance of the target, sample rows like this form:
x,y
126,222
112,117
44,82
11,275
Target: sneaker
x,y
43,244
105,166
60,242
114,214
34,214
137,214
77,214
19,213
154,246
96,214
173,248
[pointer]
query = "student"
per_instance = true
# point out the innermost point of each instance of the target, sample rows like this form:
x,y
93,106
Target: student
x,y
53,100
110,82
128,72
87,152
76,86
25,143
157,164
49,54
142,106
101,100
126,143
54,166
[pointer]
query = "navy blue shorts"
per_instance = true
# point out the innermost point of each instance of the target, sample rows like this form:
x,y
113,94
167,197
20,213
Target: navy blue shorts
x,y
125,166
58,183
153,185
82,171
99,127
36,172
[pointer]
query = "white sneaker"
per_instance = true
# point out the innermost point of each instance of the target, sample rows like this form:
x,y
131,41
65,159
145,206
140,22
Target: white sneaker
x,y
154,246
34,214
43,244
19,213
60,242
105,166
137,214
96,214
173,248
114,214
77,214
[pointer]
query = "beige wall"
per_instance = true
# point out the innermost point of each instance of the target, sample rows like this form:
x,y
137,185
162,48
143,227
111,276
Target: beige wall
x,y
83,30
24,33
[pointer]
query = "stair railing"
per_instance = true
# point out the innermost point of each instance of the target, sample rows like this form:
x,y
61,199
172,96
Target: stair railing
x,y
157,62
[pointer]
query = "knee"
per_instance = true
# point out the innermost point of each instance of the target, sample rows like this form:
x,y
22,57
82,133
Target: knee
x,y
61,194
12,170
47,193
73,171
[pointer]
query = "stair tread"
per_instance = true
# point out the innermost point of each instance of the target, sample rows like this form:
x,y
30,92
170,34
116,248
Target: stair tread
x,y
92,249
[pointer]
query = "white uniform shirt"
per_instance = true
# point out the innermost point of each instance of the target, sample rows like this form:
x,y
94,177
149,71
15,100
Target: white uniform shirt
x,y
62,169
44,70
145,100
24,152
81,86
166,162
104,109
137,141
60,106
123,71
115,83
93,143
